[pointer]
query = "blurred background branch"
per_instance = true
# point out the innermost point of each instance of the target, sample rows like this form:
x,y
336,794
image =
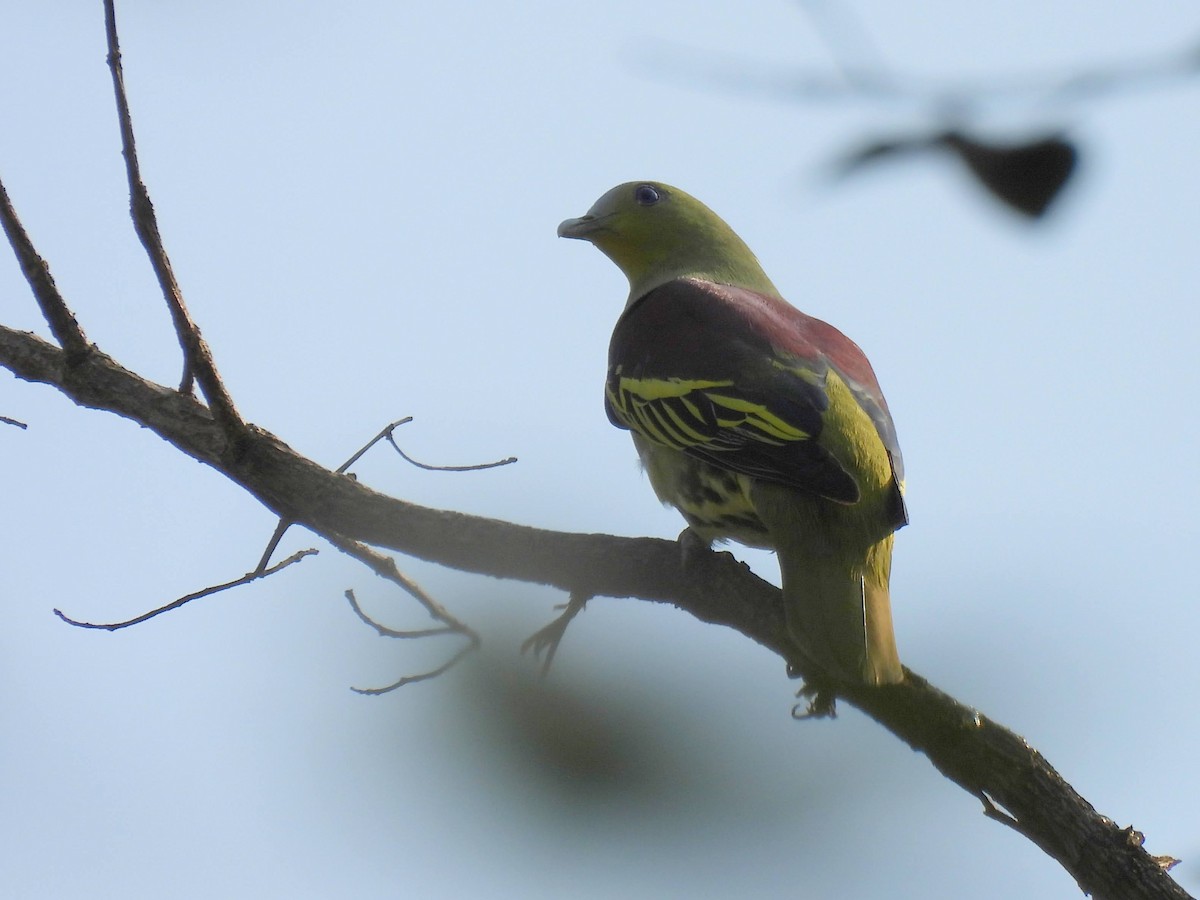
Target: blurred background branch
x,y
1024,172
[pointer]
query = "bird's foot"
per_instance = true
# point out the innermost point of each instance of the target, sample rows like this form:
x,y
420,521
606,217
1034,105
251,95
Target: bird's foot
x,y
546,640
818,701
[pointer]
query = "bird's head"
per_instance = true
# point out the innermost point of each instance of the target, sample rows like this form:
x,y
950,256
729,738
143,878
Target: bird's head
x,y
656,233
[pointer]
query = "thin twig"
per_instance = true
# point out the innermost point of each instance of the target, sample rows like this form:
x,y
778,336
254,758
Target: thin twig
x,y
273,543
423,676
197,358
245,579
7,421
508,460
384,631
59,317
385,434
385,567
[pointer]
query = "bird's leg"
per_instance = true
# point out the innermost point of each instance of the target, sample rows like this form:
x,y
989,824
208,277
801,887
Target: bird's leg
x,y
546,640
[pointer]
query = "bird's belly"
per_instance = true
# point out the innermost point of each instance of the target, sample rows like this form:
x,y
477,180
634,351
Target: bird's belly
x,y
715,502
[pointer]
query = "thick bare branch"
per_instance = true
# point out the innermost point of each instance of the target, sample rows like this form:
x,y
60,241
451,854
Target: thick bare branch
x,y
980,755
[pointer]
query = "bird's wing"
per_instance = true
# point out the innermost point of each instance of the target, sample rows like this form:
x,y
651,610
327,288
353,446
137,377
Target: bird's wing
x,y
737,378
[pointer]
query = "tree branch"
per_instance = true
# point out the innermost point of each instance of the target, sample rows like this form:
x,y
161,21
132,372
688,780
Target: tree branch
x,y
58,316
197,357
986,759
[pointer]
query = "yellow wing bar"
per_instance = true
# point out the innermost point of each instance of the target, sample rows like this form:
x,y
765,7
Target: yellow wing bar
x,y
683,413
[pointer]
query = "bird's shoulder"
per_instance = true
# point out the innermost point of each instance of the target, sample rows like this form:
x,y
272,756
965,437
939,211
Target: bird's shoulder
x,y
689,322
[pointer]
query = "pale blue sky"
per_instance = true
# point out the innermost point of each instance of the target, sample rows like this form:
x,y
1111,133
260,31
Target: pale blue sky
x,y
361,205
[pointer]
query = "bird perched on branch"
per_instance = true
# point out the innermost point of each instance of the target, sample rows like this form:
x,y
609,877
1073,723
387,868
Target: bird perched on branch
x,y
759,423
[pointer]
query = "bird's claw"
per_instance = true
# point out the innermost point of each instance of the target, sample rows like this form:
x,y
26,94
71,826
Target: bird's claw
x,y
818,701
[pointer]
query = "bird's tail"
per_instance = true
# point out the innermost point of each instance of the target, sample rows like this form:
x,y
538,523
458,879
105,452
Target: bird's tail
x,y
839,611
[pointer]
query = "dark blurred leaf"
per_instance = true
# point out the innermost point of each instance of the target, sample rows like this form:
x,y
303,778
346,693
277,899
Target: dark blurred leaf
x,y
1026,176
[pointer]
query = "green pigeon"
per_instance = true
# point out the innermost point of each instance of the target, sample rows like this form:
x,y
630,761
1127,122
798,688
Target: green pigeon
x,y
757,422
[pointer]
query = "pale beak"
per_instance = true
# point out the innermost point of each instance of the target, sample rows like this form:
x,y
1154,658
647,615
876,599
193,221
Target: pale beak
x,y
582,228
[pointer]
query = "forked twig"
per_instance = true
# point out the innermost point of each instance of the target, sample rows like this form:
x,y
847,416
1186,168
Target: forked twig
x,y
384,631
385,567
273,543
197,358
285,524
385,434
188,598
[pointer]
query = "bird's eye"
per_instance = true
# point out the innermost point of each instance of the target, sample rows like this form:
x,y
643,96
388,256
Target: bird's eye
x,y
646,195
